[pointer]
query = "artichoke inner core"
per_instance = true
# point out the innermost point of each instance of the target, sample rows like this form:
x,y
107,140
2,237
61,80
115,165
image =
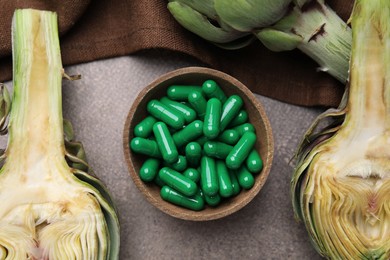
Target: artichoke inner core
x,y
46,212
350,197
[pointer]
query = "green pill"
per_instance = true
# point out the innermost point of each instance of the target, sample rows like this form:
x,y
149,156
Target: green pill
x,y
157,180
242,129
165,114
145,146
192,174
212,90
235,185
208,176
145,127
180,165
193,153
217,149
149,169
198,102
180,93
241,150
230,110
177,181
165,142
188,113
202,140
225,184
194,203
229,136
212,118
188,133
240,119
212,200
245,178
254,163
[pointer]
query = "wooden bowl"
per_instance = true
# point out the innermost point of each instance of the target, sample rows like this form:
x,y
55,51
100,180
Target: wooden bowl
x,y
257,116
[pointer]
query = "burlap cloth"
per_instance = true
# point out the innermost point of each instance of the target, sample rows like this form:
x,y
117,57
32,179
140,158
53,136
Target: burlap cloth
x,y
98,29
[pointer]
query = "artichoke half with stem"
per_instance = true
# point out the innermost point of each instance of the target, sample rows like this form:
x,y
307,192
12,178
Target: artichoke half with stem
x,y
341,185
281,25
50,207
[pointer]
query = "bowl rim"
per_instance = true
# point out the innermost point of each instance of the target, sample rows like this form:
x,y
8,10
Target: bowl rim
x,y
198,215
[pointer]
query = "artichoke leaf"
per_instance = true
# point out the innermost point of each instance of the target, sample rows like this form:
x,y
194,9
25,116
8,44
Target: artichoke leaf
x,y
205,7
277,40
5,107
200,24
248,15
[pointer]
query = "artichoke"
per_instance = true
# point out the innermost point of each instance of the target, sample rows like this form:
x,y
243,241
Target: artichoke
x,y
309,25
50,207
341,185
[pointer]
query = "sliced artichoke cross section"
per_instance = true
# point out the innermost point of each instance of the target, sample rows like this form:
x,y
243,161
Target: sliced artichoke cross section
x,y
49,210
341,186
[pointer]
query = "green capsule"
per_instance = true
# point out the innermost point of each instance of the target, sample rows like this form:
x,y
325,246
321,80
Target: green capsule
x,y
230,110
180,165
149,169
217,149
165,142
242,129
240,119
145,127
157,180
235,185
208,176
241,150
212,90
180,93
194,203
229,136
202,140
254,163
245,178
188,113
178,181
225,184
212,200
193,153
192,174
198,102
188,133
145,146
212,118
165,114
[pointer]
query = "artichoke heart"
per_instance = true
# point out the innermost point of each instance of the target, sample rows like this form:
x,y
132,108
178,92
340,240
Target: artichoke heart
x,y
49,210
341,185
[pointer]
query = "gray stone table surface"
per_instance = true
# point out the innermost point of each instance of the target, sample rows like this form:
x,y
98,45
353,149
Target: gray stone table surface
x,y
98,105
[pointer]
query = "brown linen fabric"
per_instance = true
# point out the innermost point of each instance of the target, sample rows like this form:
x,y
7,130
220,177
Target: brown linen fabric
x,y
100,29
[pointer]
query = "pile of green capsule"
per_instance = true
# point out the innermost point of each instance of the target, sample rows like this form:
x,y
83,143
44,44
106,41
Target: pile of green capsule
x,y
200,146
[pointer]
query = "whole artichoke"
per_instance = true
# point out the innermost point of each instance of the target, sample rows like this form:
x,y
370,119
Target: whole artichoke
x,y
309,25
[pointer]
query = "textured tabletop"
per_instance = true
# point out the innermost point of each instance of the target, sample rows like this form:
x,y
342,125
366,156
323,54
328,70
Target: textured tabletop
x,y
97,106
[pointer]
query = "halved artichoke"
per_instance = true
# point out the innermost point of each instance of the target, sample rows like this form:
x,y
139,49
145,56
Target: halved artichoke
x,y
341,186
49,210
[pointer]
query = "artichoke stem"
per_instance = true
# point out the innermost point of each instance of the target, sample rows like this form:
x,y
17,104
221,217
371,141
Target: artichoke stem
x,y
369,100
316,30
326,38
36,115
